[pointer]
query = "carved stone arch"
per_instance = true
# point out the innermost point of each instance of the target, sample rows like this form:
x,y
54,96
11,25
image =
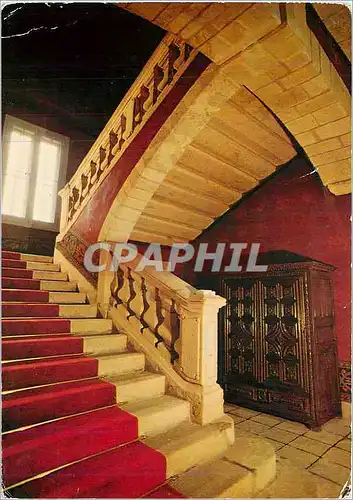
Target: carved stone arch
x,y
269,48
219,143
205,97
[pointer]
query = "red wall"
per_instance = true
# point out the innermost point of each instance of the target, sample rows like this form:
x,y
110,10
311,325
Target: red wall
x,y
294,212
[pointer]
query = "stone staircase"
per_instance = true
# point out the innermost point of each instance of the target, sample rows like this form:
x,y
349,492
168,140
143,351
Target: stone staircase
x,y
77,398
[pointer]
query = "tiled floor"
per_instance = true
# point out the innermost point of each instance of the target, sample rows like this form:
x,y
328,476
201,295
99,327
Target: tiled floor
x,y
309,464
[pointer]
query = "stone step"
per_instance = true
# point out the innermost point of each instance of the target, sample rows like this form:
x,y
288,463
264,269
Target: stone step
x,y
247,467
158,415
29,311
32,266
190,444
25,256
78,311
50,276
44,285
141,386
119,364
58,286
90,326
42,296
28,257
29,347
292,479
67,297
104,344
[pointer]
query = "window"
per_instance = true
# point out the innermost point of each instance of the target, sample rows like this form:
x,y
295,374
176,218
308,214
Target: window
x,y
34,170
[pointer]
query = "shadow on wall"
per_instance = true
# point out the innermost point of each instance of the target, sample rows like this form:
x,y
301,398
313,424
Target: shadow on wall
x,y
295,212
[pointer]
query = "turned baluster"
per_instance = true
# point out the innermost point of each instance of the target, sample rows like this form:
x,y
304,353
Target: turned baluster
x,y
139,101
101,163
84,184
179,61
122,130
116,286
113,141
173,56
158,75
75,195
136,303
187,51
93,177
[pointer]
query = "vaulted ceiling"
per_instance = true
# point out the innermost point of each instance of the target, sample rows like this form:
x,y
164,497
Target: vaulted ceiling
x,y
240,146
269,48
338,20
276,67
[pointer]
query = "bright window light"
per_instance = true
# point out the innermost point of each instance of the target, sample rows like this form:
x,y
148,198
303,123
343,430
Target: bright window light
x,y
34,168
46,189
18,170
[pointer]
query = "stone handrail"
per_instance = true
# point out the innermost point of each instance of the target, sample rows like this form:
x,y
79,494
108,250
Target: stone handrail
x,y
177,319
157,78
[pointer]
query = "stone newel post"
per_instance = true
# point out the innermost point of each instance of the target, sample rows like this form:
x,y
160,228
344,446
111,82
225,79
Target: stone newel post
x,y
198,349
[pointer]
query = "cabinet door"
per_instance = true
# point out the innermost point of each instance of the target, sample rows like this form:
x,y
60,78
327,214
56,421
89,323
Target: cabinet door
x,y
266,333
239,325
327,395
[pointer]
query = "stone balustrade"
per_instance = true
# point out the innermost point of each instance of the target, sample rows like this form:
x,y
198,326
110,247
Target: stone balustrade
x,y
177,324
158,76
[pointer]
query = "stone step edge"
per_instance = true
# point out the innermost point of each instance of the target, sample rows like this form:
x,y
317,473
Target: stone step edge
x,y
47,473
132,377
247,467
88,350
27,256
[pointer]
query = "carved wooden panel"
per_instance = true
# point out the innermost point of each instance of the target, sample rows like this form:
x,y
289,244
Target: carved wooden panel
x,y
278,343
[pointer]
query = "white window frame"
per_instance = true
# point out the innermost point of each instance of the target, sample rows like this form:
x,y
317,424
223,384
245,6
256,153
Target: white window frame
x,y
39,133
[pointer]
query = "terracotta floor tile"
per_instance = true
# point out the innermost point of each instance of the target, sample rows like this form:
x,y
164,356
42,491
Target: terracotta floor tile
x,y
279,435
310,445
331,471
345,444
269,420
327,489
299,457
228,407
338,456
243,412
293,481
337,426
236,419
323,436
294,427
276,444
251,426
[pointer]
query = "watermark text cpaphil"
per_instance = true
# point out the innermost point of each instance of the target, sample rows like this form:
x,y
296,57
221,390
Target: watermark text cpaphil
x,y
179,253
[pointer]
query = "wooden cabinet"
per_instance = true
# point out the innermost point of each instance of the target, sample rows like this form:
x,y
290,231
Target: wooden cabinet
x,y
277,344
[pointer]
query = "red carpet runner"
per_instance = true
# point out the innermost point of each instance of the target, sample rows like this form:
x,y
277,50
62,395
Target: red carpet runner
x,y
78,421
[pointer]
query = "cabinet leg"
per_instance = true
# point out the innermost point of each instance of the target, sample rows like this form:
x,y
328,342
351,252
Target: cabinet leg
x,y
314,427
